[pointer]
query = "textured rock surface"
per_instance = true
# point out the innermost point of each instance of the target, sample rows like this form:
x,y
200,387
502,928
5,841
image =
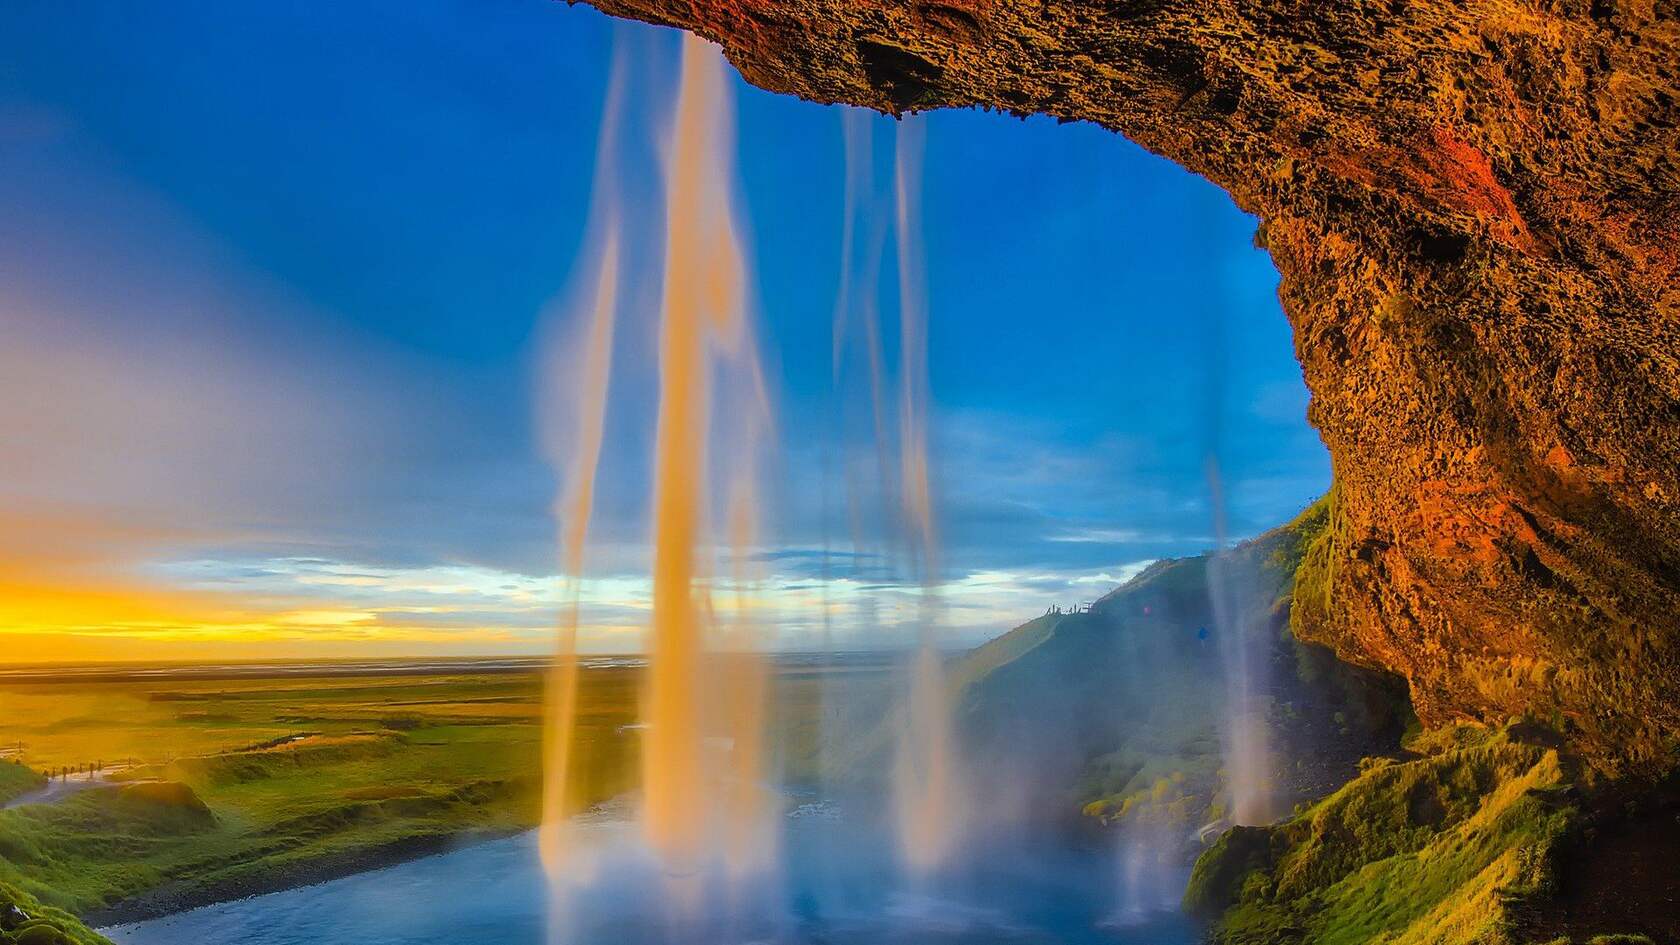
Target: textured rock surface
x,y
1473,204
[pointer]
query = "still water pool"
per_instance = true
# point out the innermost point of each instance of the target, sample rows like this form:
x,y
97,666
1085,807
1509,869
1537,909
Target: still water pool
x,y
835,886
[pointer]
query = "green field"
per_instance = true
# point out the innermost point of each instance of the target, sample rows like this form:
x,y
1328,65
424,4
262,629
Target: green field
x,y
221,787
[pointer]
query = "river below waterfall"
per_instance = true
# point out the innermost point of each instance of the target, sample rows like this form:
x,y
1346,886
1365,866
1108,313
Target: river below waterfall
x,y
836,886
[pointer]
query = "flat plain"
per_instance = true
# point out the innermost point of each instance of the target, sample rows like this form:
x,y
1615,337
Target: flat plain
x,y
201,784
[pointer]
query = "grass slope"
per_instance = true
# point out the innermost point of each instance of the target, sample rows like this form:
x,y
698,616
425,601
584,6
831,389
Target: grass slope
x,y
17,778
1465,840
1123,705
45,925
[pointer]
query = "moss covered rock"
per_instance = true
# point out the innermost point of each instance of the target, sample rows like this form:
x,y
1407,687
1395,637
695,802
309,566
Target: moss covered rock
x,y
24,920
1448,847
1216,882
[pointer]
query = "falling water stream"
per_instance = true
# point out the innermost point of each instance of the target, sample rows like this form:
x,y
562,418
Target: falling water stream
x,y
928,790
703,756
578,465
704,752
701,306
1245,738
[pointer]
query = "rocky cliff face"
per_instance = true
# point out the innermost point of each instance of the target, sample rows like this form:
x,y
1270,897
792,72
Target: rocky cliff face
x,y
1475,207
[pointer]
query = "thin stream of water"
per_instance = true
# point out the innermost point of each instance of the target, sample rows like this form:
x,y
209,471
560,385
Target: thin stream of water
x,y
578,463
929,790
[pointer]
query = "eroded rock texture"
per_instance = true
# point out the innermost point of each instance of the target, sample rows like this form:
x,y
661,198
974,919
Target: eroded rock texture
x,y
1473,204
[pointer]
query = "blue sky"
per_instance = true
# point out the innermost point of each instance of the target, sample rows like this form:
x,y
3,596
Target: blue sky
x,y
281,282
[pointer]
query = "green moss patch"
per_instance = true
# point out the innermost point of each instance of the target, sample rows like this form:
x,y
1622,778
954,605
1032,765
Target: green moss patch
x,y
1450,847
44,924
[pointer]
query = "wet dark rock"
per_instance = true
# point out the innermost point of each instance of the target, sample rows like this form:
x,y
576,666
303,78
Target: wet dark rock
x,y
1216,883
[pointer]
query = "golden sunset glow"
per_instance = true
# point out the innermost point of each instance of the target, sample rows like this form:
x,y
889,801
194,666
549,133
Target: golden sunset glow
x,y
73,589
58,623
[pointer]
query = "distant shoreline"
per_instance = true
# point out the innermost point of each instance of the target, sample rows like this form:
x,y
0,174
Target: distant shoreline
x,y
179,897
262,669
26,674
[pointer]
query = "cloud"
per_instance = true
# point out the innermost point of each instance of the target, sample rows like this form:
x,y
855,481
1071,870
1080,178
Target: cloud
x,y
1098,536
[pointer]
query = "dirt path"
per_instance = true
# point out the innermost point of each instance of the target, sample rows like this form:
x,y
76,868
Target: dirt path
x,y
58,789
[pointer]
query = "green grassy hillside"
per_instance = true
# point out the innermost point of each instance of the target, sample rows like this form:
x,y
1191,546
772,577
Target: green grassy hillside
x,y
1117,712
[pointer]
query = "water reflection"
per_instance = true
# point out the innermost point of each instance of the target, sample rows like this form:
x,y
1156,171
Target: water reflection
x,y
837,886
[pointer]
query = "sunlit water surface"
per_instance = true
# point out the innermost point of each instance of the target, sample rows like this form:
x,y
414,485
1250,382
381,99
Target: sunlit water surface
x,y
837,887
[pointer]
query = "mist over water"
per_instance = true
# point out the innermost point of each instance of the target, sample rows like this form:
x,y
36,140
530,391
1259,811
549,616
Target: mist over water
x,y
828,889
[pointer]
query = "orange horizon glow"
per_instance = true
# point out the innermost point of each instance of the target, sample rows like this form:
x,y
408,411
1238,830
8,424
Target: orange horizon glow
x,y
46,623
70,592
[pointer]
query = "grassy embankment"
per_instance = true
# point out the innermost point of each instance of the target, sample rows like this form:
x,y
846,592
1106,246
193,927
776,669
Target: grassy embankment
x,y
1443,848
1468,839
44,924
17,778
